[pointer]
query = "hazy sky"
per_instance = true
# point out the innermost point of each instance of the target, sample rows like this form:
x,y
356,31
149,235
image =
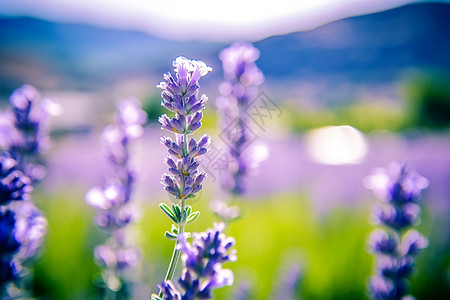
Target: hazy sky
x,y
200,19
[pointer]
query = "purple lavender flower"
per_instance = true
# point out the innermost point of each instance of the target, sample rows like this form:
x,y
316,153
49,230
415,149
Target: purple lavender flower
x,y
184,181
21,235
14,185
396,185
8,247
27,136
27,121
203,261
169,290
180,95
240,71
399,188
30,229
242,81
115,212
24,137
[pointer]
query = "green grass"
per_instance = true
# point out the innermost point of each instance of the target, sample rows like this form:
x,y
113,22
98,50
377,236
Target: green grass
x,y
331,247
366,117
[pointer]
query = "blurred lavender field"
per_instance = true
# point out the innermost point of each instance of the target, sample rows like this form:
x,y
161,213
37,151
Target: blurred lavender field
x,y
348,96
289,167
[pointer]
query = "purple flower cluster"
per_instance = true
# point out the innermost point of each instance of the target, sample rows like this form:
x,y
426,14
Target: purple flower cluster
x,y
14,184
395,246
22,230
24,132
184,181
22,226
8,247
29,137
180,96
115,211
242,80
203,261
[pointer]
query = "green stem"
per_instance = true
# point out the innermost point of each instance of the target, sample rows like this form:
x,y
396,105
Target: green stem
x,y
110,294
185,143
176,251
107,293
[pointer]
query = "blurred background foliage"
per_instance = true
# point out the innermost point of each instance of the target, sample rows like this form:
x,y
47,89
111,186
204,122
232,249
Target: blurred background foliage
x,y
429,101
331,248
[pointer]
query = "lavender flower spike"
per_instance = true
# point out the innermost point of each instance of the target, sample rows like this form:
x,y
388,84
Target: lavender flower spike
x,y
22,230
180,95
242,81
14,185
23,137
183,181
399,188
8,248
114,211
28,135
203,261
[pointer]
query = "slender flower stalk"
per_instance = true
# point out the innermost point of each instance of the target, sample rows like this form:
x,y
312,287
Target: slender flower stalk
x,y
22,226
115,212
180,96
202,262
242,80
28,136
395,245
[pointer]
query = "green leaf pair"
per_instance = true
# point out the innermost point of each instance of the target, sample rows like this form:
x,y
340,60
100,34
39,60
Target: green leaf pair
x,y
173,213
176,215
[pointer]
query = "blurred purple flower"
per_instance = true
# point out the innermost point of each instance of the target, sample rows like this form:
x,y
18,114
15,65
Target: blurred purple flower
x,y
114,210
240,71
394,268
31,227
396,184
225,212
23,139
399,188
8,247
383,288
242,80
29,135
412,243
21,235
116,258
382,242
14,185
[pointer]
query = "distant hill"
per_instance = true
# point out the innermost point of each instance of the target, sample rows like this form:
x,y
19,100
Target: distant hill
x,y
374,46
371,48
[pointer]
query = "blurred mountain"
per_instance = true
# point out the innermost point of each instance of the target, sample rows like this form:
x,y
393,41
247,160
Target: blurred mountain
x,y
74,56
372,48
